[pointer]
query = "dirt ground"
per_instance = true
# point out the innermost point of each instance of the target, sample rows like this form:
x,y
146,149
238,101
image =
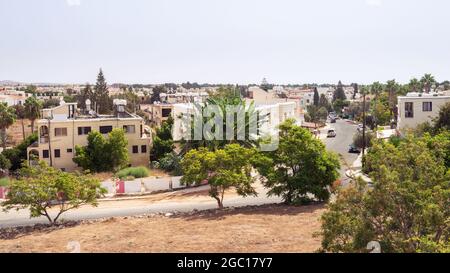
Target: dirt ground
x,y
270,228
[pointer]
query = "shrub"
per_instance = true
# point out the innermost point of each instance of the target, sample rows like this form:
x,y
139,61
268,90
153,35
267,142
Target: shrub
x,y
4,182
136,172
171,163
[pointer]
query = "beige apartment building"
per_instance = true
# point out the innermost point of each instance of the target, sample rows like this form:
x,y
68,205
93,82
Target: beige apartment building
x,y
64,127
417,108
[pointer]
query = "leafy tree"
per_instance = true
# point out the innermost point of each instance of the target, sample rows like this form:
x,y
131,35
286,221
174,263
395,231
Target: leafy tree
x,y
18,154
443,120
301,169
162,140
316,97
50,103
102,101
222,169
5,164
32,110
156,95
338,105
358,140
415,85
323,102
316,114
85,94
103,154
7,118
42,187
406,210
171,162
392,88
225,93
427,82
31,89
355,89
339,93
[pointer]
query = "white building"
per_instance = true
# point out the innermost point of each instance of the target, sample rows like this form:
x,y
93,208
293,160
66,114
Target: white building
x,y
417,108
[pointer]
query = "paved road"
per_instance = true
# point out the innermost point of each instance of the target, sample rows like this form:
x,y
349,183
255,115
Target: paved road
x,y
108,209
340,144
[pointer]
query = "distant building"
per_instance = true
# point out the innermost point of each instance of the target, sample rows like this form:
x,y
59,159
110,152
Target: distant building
x,y
417,108
64,127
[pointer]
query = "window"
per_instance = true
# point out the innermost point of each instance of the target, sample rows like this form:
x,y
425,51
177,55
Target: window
x,y
84,130
135,149
144,149
166,112
69,151
409,110
57,153
427,106
45,154
105,129
60,132
129,129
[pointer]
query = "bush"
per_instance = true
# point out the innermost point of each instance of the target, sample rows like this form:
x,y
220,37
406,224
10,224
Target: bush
x,y
4,182
19,153
135,172
171,163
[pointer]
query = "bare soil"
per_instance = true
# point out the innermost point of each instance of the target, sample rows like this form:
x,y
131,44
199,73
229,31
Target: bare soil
x,y
270,228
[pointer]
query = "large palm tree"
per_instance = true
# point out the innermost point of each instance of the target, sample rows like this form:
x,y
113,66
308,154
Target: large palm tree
x,y
428,81
32,110
376,89
415,85
7,118
392,87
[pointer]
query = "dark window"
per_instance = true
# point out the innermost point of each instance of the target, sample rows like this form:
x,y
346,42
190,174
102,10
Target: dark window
x,y
69,150
409,110
45,154
105,129
166,112
57,153
427,106
63,169
144,149
60,132
129,129
135,149
84,130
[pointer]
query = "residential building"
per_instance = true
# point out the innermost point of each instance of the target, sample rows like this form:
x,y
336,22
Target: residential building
x,y
417,108
64,127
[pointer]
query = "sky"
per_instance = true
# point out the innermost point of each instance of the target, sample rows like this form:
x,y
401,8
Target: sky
x,y
224,41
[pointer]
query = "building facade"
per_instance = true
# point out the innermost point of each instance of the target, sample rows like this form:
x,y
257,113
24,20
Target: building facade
x,y
64,127
417,108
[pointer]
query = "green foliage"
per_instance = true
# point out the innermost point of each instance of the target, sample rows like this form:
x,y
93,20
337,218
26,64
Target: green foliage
x,y
358,140
407,210
7,118
162,140
101,100
135,172
4,182
5,163
316,114
443,120
301,169
50,103
157,90
171,162
316,97
42,187
338,105
339,93
32,110
225,168
323,102
103,154
18,154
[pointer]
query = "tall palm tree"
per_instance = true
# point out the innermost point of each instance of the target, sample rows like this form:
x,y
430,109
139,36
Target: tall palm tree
x,y
415,85
20,112
428,81
32,110
7,118
376,89
392,87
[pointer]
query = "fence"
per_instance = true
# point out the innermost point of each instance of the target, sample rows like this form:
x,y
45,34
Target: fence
x,y
143,185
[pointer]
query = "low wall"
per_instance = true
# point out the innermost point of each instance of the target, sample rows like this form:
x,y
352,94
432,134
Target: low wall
x,y
144,185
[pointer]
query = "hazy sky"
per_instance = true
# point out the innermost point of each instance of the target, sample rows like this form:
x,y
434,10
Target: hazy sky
x,y
223,41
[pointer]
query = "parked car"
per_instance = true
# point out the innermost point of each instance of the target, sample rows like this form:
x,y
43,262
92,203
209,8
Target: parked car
x,y
353,149
331,133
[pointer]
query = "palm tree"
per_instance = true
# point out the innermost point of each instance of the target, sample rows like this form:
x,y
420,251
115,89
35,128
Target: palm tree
x,y
428,81
376,90
20,112
7,118
32,110
392,87
415,85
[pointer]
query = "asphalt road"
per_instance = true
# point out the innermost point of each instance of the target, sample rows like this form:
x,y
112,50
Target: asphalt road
x,y
340,144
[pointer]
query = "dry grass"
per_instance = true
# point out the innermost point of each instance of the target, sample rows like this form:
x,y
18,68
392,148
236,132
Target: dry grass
x,y
274,228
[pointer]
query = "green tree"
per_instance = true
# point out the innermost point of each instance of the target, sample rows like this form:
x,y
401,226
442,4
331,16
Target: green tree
x,y
222,169
316,97
102,101
162,140
323,102
339,93
42,187
316,114
443,120
18,154
103,154
156,94
338,105
7,118
85,94
32,110
358,140
5,164
415,85
406,210
392,88
301,169
427,82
